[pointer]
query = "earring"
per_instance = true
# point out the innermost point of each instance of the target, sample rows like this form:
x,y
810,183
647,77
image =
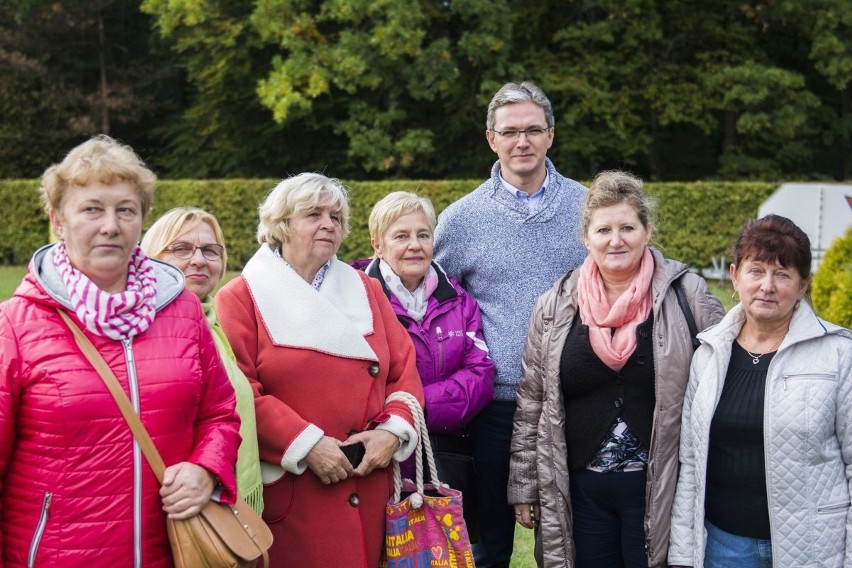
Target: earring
x,y
734,295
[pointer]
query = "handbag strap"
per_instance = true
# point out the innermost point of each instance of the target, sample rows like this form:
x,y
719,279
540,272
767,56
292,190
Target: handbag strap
x,y
111,382
687,313
423,445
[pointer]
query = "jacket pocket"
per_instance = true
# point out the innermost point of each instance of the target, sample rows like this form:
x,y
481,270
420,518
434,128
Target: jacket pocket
x,y
795,378
39,531
278,498
834,508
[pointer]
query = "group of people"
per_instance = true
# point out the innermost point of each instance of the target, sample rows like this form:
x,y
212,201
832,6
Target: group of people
x,y
533,320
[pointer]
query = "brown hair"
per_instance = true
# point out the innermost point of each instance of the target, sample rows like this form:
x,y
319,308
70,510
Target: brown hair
x,y
774,239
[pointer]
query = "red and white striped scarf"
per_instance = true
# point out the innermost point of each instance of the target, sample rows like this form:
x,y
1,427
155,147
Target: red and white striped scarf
x,y
117,316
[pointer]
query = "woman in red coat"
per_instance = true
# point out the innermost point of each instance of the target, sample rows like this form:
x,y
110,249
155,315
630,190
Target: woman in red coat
x,y
75,491
323,349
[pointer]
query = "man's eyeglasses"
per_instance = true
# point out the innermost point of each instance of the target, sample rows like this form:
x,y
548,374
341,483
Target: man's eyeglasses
x,y
531,133
184,250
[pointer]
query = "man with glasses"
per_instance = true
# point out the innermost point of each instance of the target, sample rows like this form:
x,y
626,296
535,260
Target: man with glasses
x,y
507,242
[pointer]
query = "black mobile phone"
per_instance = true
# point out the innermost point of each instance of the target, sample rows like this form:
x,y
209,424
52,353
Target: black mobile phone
x,y
354,452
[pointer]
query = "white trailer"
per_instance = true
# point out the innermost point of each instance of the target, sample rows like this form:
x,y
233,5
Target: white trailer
x,y
822,210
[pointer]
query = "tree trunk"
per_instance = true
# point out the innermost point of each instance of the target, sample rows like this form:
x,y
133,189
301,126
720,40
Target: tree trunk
x,y
104,90
845,143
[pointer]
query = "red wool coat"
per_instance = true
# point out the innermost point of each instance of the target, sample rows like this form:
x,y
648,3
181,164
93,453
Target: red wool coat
x,y
67,469
320,378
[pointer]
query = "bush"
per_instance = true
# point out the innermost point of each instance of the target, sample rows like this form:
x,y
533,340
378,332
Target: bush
x,y
831,292
696,221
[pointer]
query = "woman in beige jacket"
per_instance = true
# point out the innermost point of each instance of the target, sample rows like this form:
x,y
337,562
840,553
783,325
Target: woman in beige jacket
x,y
594,448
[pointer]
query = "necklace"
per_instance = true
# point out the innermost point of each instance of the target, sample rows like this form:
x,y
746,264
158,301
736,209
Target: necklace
x,y
755,357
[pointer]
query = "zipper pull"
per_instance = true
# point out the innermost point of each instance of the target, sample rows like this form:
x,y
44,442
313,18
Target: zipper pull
x,y
127,350
785,383
440,334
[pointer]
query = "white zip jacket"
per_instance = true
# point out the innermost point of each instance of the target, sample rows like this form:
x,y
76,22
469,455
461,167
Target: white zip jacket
x,y
807,441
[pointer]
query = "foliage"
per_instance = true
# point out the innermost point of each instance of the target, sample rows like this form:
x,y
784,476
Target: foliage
x,y
831,291
72,69
25,227
381,89
697,221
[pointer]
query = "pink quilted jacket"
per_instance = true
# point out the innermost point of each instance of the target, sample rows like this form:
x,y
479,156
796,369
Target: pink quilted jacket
x,y
71,482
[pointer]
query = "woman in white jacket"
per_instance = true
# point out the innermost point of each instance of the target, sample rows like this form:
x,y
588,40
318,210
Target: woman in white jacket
x,y
766,442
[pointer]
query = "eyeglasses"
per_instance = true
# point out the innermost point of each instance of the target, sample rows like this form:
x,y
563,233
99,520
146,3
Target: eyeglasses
x,y
531,133
184,250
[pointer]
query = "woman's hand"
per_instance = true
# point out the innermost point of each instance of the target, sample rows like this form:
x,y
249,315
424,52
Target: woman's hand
x,y
380,446
187,487
328,462
525,515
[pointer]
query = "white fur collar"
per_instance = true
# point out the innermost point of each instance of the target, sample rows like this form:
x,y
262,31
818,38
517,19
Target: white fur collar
x,y
333,320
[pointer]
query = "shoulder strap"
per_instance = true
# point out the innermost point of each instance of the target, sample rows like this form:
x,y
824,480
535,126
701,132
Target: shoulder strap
x,y
687,312
111,382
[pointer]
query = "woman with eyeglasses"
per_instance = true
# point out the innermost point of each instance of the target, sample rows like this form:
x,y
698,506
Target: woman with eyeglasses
x,y
191,239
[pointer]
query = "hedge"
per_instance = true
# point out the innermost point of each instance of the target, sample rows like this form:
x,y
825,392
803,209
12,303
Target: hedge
x,y
696,220
831,292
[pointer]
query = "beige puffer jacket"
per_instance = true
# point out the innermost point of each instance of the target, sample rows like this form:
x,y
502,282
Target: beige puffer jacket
x,y
538,466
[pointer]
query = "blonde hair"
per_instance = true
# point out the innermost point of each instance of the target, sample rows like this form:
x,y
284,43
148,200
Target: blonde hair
x,y
296,195
613,187
100,159
394,205
174,223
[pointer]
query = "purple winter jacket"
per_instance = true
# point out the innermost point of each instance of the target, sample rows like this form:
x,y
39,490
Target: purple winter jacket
x,y
452,358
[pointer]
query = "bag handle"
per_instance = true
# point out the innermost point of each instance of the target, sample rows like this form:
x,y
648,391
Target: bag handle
x,y
423,445
687,313
111,382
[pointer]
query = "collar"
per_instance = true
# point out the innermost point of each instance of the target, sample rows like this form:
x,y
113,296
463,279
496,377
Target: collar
x,y
519,194
443,292
334,319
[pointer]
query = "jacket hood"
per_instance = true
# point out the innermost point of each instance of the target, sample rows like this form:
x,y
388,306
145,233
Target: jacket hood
x,y
43,283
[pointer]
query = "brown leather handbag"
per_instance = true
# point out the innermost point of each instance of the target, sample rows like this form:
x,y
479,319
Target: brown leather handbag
x,y
220,536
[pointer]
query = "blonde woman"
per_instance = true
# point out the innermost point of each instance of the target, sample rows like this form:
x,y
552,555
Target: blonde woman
x,y
594,448
191,239
75,491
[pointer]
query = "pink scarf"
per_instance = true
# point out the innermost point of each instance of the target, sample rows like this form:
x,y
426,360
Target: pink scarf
x,y
629,310
117,316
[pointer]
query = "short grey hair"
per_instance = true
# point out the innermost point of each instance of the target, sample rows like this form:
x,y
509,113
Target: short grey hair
x,y
394,205
512,93
296,195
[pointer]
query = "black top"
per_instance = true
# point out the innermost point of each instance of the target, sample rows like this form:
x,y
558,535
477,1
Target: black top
x,y
736,500
595,395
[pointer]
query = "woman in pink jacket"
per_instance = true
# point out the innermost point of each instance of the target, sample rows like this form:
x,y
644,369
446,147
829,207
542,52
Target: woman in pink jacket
x,y
75,489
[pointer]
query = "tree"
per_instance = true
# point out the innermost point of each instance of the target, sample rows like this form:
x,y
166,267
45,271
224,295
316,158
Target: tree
x,y
71,70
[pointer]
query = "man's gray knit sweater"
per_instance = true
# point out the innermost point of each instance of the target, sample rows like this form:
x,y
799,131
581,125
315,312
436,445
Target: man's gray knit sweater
x,y
506,258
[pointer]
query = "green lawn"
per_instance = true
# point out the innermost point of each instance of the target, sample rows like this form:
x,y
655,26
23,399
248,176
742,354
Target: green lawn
x,y
10,277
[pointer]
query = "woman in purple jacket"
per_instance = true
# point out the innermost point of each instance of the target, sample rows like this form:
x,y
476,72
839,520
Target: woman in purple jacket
x,y
445,326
